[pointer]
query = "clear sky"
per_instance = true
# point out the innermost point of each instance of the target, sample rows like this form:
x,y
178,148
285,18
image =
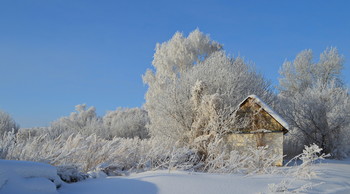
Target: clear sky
x,y
55,54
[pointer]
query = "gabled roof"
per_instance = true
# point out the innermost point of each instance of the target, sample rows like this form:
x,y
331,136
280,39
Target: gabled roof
x,y
267,109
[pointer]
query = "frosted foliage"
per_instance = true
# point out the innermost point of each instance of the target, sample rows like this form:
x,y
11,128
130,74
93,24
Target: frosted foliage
x,y
214,86
171,60
253,160
7,123
310,155
127,123
70,174
297,75
303,73
329,67
119,156
84,121
180,53
315,103
90,153
320,115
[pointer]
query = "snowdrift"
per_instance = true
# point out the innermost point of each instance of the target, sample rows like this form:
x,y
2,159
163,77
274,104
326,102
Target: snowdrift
x,y
28,177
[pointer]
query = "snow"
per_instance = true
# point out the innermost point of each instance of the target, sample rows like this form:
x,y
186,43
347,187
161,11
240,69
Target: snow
x,y
31,177
334,177
27,177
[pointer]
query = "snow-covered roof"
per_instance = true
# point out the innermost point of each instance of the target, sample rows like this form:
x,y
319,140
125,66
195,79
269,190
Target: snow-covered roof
x,y
267,109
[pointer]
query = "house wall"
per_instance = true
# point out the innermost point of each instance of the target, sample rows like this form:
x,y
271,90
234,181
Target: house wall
x,y
274,140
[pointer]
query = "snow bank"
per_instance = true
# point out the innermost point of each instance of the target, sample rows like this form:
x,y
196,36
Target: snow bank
x,y
28,177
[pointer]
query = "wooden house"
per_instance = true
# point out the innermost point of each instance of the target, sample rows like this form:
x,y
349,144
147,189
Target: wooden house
x,y
258,125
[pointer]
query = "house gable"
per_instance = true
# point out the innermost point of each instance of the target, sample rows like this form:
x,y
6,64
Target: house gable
x,y
255,116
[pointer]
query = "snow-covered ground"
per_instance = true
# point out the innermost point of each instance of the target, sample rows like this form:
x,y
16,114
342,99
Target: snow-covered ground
x,y
334,177
29,177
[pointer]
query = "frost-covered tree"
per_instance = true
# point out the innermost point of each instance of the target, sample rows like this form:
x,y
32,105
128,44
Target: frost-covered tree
x,y
127,123
84,121
315,102
320,115
177,104
7,123
297,75
171,60
303,73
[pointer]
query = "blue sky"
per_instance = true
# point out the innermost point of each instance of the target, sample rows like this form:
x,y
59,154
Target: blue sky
x,y
55,54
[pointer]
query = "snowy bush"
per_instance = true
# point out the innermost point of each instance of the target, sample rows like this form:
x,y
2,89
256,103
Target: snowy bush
x,y
70,174
306,170
281,187
127,123
260,160
253,160
110,170
119,156
7,142
311,154
286,187
83,121
25,133
88,152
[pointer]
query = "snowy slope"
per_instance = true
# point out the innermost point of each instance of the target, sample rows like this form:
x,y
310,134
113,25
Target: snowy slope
x,y
334,176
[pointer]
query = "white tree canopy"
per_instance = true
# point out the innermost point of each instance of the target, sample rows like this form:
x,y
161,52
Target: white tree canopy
x,y
315,102
182,62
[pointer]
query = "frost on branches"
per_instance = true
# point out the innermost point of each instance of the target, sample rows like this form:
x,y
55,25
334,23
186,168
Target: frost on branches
x,y
311,154
7,123
127,123
83,121
194,88
316,103
306,170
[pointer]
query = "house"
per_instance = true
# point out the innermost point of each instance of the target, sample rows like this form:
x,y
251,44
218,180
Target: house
x,y
258,125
